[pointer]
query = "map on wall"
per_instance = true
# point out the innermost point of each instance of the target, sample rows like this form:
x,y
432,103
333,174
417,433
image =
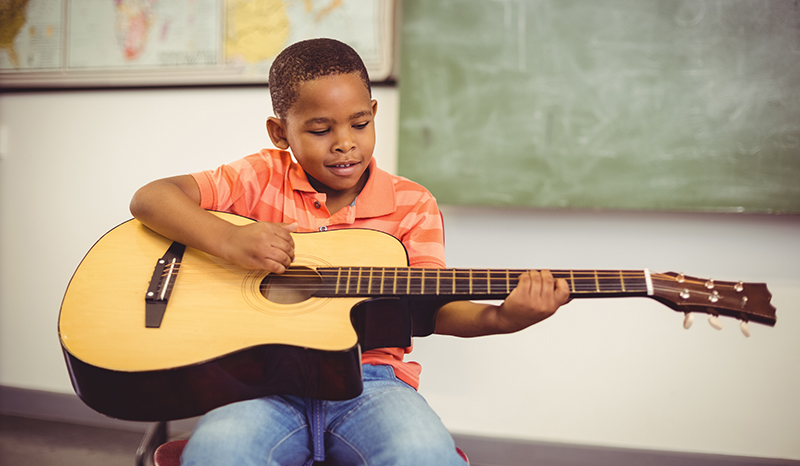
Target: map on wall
x,y
68,43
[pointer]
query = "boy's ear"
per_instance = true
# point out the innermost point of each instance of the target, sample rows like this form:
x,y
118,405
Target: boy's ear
x,y
374,107
276,128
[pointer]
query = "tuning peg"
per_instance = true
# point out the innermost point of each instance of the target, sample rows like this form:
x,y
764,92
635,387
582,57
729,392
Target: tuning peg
x,y
744,328
715,322
688,319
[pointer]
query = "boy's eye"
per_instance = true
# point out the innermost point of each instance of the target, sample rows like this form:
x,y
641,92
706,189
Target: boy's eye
x,y
319,132
361,126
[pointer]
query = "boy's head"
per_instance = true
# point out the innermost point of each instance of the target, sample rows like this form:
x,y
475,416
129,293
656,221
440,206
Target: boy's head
x,y
325,115
308,60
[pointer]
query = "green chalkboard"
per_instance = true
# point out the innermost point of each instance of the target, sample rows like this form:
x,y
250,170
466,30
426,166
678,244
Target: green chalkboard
x,y
690,105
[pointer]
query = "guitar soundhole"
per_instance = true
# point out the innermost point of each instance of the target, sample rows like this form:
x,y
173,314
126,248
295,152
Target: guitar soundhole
x,y
294,286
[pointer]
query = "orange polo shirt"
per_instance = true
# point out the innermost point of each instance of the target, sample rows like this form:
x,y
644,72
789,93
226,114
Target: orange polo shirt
x,y
270,187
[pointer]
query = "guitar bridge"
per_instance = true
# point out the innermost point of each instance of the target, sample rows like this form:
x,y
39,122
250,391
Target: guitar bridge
x,y
161,284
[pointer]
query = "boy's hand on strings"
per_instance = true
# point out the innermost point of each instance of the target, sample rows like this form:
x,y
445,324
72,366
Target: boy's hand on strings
x,y
536,297
261,245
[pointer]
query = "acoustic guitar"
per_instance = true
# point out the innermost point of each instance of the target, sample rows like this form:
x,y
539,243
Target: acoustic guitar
x,y
152,330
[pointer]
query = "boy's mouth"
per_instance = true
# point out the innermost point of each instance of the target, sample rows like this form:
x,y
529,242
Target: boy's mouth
x,y
344,169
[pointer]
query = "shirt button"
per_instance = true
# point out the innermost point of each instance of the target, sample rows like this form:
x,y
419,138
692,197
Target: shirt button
x,y
317,204
323,228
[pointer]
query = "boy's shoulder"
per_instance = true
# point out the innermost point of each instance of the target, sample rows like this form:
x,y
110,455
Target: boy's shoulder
x,y
401,190
403,184
276,162
274,157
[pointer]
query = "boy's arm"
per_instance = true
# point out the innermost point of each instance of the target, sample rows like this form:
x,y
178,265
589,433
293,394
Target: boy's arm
x,y
536,297
171,207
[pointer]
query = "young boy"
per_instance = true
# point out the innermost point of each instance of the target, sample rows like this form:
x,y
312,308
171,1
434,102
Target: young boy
x,y
325,114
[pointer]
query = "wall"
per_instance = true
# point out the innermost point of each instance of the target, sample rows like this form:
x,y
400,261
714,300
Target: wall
x,y
601,372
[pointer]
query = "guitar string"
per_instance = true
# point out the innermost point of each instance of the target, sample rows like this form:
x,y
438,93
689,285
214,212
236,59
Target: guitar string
x,y
476,275
582,282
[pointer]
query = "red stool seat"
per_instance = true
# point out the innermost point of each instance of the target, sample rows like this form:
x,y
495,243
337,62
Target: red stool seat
x,y
169,454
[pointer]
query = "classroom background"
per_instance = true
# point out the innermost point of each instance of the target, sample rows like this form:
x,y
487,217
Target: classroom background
x,y
619,373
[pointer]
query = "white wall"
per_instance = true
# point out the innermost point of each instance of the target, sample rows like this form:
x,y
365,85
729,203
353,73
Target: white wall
x,y
603,372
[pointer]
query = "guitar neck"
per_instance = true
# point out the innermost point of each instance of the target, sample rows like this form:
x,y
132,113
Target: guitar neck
x,y
460,284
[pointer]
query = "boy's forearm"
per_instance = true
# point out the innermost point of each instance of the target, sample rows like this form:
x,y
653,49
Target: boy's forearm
x,y
167,208
468,319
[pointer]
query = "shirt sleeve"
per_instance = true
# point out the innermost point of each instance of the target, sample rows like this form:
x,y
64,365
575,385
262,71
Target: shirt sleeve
x,y
236,187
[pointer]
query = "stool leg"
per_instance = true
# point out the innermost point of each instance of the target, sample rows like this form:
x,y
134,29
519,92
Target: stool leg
x,y
156,435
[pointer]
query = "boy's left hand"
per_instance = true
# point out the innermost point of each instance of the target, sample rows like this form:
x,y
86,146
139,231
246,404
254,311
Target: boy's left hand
x,y
536,297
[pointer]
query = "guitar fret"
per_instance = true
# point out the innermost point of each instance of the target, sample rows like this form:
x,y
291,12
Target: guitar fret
x,y
470,281
622,280
461,283
422,282
349,274
572,279
437,281
497,283
596,282
338,279
400,282
638,283
480,286
611,284
375,281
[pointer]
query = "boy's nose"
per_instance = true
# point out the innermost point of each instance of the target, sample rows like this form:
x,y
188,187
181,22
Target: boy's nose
x,y
344,142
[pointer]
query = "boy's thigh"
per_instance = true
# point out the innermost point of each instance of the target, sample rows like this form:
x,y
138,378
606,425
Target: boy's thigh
x,y
263,431
388,424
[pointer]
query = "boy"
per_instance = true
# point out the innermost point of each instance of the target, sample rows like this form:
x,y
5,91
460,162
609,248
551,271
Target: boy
x,y
325,114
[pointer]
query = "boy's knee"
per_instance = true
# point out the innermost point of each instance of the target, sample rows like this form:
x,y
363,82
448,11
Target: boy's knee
x,y
421,448
249,432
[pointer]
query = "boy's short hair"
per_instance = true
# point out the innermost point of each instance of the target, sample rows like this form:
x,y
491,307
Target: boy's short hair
x,y
307,60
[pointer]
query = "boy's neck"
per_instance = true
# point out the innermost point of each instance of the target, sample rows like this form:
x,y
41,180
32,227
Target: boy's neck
x,y
337,199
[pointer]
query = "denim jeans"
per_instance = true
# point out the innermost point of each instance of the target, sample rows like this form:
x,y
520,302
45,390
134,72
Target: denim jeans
x,y
388,424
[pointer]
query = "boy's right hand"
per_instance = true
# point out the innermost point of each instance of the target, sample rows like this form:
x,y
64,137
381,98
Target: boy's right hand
x,y
260,245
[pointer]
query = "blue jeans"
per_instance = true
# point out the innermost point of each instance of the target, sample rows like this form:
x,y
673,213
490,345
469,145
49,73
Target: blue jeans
x,y
388,424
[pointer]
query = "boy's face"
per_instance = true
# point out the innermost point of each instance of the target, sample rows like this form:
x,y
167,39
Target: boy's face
x,y
331,131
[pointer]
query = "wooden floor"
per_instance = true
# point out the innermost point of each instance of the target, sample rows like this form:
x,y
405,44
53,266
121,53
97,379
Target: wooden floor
x,y
33,442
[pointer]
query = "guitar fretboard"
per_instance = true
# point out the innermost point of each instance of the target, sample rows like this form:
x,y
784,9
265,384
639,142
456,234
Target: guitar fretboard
x,y
470,283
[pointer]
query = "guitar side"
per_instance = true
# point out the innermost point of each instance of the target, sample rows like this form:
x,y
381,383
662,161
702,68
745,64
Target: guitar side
x,y
220,339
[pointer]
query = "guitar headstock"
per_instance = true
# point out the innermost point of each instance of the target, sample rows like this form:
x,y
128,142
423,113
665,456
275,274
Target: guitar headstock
x,y
743,301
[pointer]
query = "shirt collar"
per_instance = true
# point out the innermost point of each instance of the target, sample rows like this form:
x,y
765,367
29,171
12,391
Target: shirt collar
x,y
376,199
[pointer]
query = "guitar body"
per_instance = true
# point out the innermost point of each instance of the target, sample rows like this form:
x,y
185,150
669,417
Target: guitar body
x,y
220,339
